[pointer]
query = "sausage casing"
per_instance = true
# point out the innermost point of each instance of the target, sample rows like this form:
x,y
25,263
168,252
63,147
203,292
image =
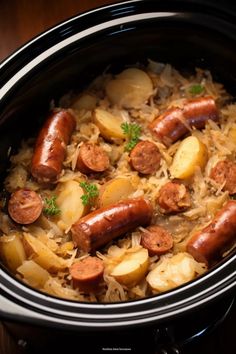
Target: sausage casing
x,y
209,244
103,225
176,122
50,148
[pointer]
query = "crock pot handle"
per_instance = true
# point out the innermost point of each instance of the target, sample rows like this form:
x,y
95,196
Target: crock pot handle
x,y
165,342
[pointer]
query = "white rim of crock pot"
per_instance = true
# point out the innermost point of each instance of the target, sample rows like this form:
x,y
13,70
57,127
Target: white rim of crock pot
x,y
120,316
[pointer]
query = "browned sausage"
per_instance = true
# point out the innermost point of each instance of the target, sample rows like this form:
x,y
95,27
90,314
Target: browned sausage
x,y
156,240
145,157
50,148
224,172
92,158
173,198
103,225
209,244
176,122
25,206
87,274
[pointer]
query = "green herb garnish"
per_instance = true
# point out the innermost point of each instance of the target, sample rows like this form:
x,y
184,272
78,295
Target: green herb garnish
x,y
91,192
133,132
196,89
51,207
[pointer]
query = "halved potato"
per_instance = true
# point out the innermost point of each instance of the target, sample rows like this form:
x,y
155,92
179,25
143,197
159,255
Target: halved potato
x,y
108,124
172,272
69,201
132,268
42,255
12,251
190,154
115,190
35,275
130,89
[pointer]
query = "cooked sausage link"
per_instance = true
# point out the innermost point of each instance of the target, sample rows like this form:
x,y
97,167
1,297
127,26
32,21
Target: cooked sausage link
x,y
176,122
224,172
209,244
87,274
156,240
103,225
92,158
173,198
145,157
50,147
25,206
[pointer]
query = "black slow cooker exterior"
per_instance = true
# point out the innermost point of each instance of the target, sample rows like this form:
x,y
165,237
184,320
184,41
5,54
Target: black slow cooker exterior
x,y
69,56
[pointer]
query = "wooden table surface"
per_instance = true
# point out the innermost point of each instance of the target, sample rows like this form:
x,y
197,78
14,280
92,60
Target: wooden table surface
x,y
21,20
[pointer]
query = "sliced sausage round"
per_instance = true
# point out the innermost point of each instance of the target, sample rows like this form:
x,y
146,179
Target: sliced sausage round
x,y
87,273
176,122
209,244
103,225
224,172
25,206
173,198
156,240
92,158
50,147
145,157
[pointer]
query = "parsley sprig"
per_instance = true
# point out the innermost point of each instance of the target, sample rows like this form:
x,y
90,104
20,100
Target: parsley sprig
x,y
133,132
51,208
91,192
196,89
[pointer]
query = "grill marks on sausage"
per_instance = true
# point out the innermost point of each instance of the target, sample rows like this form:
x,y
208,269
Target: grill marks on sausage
x,y
209,244
87,274
145,157
92,158
50,147
173,198
224,172
103,225
25,206
156,240
176,122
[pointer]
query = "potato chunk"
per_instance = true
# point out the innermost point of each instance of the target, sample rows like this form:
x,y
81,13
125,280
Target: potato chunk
x,y
12,251
190,154
132,268
172,272
42,255
108,124
70,203
33,274
130,89
115,190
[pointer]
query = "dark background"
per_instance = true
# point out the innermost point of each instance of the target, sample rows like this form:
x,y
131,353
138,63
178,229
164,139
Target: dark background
x,y
20,21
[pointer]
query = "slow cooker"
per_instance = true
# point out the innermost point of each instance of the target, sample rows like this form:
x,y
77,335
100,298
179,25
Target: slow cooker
x,y
68,56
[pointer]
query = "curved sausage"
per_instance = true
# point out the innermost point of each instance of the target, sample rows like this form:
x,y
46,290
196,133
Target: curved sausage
x,y
176,122
25,206
92,158
87,274
209,244
103,225
50,148
145,157
156,240
173,198
225,172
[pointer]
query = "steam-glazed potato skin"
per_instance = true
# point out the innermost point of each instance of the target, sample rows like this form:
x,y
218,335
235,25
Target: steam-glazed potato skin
x,y
133,267
108,124
191,153
115,190
12,252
